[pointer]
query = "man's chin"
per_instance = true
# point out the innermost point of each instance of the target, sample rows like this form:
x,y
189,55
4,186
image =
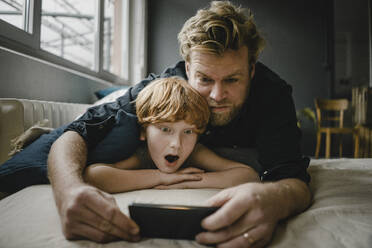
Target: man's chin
x,y
220,119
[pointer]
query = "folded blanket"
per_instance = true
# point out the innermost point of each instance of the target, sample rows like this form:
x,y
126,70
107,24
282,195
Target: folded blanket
x,y
18,143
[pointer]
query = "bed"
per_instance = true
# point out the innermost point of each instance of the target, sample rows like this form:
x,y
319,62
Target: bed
x,y
340,215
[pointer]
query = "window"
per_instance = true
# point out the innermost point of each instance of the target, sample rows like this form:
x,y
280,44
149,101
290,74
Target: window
x,y
88,36
67,30
15,12
115,25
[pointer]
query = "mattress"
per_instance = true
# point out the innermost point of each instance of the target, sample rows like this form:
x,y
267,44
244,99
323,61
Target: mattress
x,y
340,215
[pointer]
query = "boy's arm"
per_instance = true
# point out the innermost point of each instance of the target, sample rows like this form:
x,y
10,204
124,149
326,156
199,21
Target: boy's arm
x,y
220,172
126,176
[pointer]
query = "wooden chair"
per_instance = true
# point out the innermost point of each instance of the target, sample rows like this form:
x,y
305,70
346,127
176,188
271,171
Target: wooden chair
x,y
323,109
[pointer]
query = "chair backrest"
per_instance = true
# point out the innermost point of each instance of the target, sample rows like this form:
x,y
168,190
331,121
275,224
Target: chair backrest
x,y
325,106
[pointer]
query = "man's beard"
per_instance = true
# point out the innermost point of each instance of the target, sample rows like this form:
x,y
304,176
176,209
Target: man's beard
x,y
224,118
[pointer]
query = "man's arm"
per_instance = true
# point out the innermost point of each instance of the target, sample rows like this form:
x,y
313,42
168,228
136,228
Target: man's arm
x,y
86,212
250,212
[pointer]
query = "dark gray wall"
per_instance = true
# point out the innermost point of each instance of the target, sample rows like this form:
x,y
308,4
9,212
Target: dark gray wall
x,y
28,78
296,44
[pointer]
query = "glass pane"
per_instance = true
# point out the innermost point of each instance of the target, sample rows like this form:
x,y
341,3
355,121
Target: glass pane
x,y
68,28
12,12
112,42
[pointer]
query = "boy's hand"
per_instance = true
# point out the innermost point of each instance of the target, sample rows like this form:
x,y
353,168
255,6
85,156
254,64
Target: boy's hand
x,y
183,175
190,170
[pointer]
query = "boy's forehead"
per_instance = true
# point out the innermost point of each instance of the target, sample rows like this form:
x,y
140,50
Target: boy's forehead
x,y
176,122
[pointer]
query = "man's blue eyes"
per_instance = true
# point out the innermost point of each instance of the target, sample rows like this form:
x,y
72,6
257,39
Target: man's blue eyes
x,y
231,80
228,80
206,80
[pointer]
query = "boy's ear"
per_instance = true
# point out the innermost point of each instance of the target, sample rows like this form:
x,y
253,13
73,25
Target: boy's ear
x,y
143,134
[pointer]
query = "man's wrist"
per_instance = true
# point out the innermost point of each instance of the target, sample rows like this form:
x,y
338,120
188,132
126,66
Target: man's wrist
x,y
293,196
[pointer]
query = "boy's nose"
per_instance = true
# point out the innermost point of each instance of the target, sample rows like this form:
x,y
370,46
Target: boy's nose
x,y
175,141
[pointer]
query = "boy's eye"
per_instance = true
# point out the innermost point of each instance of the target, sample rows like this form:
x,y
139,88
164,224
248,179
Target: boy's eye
x,y
165,129
189,131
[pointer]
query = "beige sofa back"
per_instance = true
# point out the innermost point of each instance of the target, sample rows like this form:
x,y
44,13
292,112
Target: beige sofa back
x,y
17,115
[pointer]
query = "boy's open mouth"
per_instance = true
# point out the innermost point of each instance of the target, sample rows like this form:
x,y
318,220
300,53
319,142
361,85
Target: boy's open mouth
x,y
171,158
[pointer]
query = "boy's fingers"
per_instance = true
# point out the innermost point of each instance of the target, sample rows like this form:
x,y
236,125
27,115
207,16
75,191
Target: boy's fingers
x,y
190,177
179,178
191,170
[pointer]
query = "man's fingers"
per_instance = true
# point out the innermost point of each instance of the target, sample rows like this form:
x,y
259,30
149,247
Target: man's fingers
x,y
227,233
230,211
254,238
231,237
100,224
108,218
88,232
220,198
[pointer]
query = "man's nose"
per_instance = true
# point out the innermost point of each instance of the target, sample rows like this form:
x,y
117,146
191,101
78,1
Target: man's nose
x,y
217,92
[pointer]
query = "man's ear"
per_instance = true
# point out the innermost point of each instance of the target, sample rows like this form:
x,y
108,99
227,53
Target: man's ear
x,y
253,70
187,68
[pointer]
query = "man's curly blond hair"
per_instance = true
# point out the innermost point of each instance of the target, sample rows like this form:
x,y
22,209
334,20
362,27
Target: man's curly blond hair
x,y
220,27
169,100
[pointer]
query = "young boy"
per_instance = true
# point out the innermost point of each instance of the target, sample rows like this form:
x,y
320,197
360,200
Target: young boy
x,y
172,115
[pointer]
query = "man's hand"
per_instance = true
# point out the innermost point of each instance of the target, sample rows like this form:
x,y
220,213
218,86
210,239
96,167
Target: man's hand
x,y
250,212
88,213
85,211
190,174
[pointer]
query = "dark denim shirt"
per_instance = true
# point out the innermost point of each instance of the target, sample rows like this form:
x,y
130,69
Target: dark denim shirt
x,y
266,123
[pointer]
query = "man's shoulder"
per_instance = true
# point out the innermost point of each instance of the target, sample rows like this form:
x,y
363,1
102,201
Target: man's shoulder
x,y
268,80
176,70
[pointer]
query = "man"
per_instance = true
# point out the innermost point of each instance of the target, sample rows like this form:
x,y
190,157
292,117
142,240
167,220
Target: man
x,y
251,107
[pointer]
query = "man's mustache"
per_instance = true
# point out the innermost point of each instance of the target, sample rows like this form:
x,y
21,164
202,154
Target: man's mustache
x,y
224,103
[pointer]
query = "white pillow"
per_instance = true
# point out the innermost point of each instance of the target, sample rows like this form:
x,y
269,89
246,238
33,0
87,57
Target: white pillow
x,y
111,97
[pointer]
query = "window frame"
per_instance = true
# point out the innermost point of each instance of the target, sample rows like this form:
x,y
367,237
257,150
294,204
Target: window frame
x,y
18,40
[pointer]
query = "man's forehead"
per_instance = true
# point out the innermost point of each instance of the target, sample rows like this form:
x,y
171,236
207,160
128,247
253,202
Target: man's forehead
x,y
231,61
228,73
222,68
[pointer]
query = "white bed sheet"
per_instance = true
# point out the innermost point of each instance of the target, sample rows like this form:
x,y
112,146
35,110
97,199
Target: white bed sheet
x,y
340,216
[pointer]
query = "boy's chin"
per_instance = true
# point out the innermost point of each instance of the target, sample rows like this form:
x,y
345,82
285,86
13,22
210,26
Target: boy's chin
x,y
168,169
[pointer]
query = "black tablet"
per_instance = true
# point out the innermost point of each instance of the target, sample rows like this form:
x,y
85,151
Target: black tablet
x,y
169,221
